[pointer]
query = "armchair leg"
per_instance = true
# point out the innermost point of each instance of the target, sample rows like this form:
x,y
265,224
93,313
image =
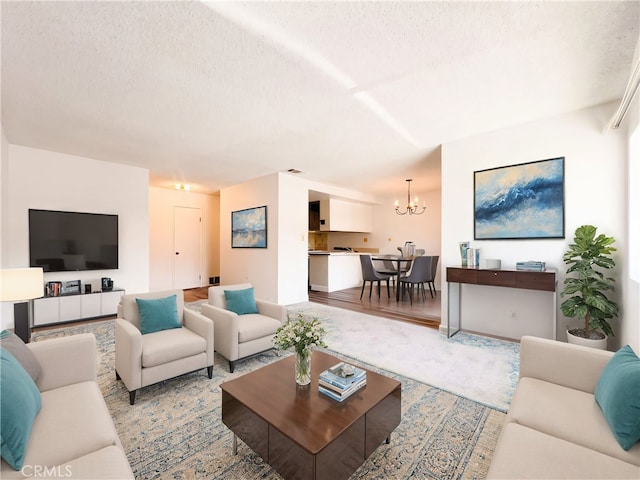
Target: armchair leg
x,y
231,366
117,375
132,397
210,371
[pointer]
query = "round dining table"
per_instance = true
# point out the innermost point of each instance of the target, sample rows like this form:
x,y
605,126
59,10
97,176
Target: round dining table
x,y
399,260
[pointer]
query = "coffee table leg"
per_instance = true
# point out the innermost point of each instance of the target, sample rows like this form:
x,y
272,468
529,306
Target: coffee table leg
x,y
235,444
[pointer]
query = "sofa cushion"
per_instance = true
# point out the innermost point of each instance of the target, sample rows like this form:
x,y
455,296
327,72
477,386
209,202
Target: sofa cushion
x,y
166,346
568,414
74,421
18,349
241,302
526,453
108,463
255,325
20,402
158,314
618,394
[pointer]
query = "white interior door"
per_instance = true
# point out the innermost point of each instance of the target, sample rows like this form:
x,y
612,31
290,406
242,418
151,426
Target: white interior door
x,y
188,247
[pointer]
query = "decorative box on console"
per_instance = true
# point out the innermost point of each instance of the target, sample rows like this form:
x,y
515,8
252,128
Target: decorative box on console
x,y
71,287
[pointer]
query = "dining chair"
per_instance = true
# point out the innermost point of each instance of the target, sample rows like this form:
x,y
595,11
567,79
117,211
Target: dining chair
x,y
418,276
369,274
388,268
432,277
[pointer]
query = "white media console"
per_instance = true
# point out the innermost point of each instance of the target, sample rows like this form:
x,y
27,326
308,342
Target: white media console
x,y
68,308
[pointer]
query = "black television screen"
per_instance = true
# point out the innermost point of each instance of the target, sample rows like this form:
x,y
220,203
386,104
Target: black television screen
x,y
72,241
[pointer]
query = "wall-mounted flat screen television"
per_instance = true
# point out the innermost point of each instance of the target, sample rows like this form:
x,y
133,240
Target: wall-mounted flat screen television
x,y
72,241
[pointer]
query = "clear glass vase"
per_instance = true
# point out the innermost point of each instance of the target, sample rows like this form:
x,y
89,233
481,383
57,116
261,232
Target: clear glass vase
x,y
303,366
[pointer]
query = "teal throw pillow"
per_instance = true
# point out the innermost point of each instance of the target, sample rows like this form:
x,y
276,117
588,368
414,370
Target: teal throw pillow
x,y
241,301
618,395
19,404
158,314
18,349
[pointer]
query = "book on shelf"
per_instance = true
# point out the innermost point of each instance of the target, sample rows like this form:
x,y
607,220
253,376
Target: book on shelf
x,y
340,395
532,266
343,375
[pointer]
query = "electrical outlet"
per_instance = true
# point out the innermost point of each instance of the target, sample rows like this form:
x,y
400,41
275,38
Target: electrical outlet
x,y
389,239
514,315
366,239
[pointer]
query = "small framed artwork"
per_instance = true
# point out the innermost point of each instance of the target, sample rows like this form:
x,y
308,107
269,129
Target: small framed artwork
x,y
249,228
524,201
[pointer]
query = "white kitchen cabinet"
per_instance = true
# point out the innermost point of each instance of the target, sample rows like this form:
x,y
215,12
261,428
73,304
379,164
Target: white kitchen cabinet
x,y
338,215
335,271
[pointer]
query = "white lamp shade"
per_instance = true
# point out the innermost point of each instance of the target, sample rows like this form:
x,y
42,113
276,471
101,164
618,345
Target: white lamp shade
x,y
21,284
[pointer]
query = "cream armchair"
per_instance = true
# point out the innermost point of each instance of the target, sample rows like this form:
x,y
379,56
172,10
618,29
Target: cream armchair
x,y
240,336
143,360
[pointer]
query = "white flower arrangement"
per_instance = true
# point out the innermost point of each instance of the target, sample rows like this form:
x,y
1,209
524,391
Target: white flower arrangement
x,y
299,333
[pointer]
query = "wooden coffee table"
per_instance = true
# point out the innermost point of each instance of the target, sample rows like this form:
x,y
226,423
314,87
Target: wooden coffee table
x,y
301,432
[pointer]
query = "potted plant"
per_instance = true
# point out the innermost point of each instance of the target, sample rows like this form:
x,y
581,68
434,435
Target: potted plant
x,y
585,286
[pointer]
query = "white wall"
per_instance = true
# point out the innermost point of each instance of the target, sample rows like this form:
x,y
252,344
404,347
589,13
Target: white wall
x,y
293,224
630,330
162,202
594,194
258,266
6,308
48,180
279,272
391,230
4,200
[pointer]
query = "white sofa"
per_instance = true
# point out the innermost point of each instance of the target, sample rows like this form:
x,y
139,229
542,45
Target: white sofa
x,y
555,428
240,336
73,435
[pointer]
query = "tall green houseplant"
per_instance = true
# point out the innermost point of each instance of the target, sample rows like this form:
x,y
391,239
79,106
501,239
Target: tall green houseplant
x,y
586,287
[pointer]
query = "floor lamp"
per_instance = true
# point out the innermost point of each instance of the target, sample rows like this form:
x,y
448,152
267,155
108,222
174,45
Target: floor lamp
x,y
17,285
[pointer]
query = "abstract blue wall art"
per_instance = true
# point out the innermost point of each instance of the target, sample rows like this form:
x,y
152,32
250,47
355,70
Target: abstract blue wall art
x,y
520,201
249,228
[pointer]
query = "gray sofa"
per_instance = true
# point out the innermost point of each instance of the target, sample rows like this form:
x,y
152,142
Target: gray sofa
x,y
73,435
555,428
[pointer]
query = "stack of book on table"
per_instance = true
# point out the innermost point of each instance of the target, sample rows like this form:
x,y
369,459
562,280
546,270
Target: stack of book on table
x,y
531,266
341,381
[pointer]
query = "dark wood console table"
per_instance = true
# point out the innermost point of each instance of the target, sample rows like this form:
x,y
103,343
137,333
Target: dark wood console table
x,y
529,280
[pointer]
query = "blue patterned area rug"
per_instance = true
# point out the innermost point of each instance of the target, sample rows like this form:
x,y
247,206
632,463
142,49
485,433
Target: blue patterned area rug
x,y
175,431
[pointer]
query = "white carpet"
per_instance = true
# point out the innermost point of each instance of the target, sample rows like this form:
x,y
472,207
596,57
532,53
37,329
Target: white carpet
x,y
479,368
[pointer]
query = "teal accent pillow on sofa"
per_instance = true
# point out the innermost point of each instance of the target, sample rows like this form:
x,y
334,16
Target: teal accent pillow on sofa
x,y
241,301
618,395
158,314
20,402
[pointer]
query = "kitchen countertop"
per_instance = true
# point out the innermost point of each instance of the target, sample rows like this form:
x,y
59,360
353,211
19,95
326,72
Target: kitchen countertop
x,y
332,253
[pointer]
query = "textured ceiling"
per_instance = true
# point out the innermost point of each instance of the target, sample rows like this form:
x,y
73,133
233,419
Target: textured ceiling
x,y
354,94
